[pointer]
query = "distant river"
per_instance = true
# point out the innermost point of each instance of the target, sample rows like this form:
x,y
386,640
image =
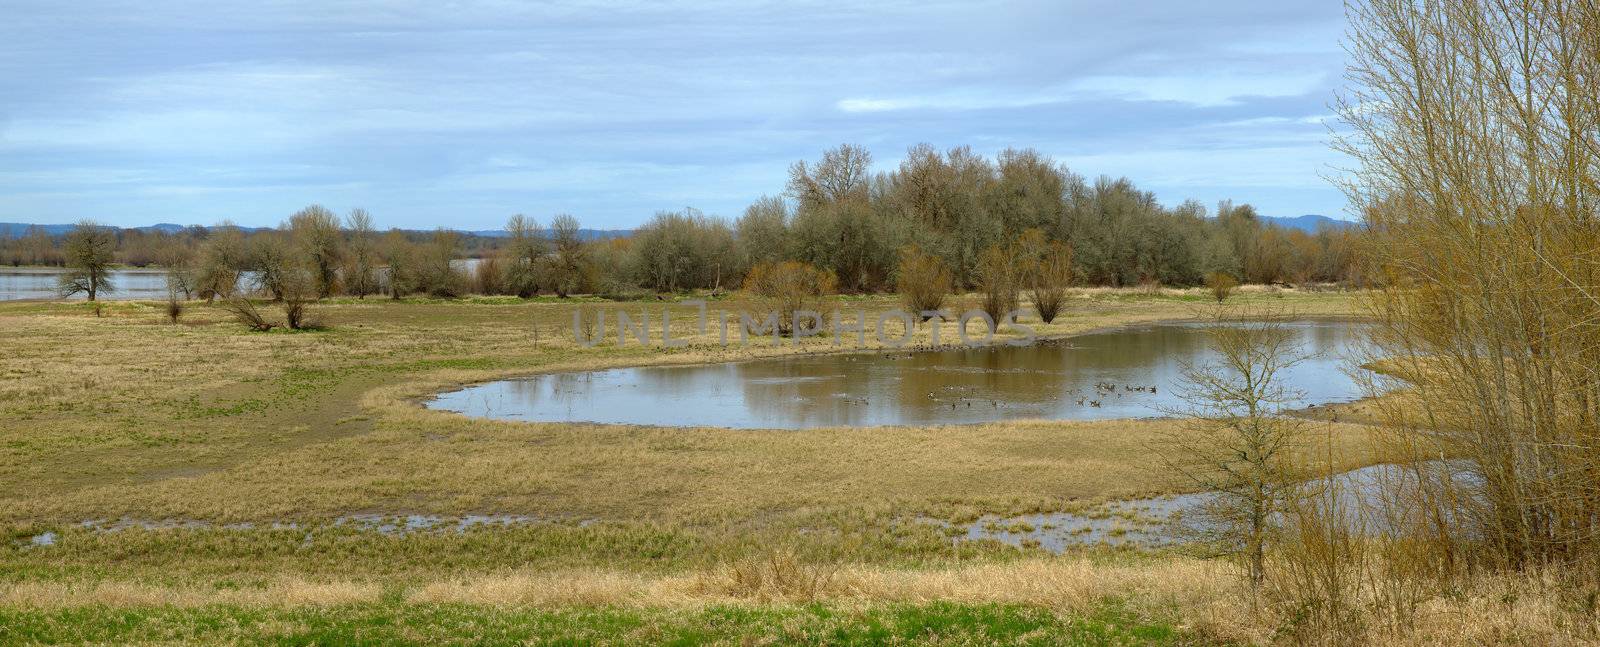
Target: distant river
x,y
41,282
132,284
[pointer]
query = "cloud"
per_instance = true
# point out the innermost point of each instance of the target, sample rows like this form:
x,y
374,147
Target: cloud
x,y
613,110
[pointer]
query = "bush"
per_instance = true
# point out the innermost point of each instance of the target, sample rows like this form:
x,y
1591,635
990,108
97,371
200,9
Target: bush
x,y
997,283
247,313
790,287
488,278
922,280
1049,277
174,309
1221,285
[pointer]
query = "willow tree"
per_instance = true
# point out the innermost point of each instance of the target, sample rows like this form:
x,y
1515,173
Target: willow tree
x,y
320,243
1474,125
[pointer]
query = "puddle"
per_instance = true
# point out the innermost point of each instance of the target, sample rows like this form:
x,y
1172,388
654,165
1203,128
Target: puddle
x,y
1175,519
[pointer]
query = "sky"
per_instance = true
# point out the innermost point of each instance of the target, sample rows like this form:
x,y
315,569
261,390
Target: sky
x,y
461,113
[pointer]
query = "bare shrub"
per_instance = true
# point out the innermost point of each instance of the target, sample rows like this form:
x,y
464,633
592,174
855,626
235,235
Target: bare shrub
x,y
1221,285
489,277
922,280
174,308
788,288
1048,279
300,290
587,319
998,283
246,312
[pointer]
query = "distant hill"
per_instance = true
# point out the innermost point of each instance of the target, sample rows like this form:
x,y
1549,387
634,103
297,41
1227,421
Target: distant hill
x,y
18,230
1310,223
1307,223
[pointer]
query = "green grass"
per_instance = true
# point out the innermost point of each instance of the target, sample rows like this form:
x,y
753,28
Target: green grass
x,y
397,624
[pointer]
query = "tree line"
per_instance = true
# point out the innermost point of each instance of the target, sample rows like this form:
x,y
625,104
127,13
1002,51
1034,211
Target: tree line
x,y
963,214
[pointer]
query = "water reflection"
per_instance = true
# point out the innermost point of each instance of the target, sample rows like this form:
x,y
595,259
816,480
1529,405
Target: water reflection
x,y
1127,373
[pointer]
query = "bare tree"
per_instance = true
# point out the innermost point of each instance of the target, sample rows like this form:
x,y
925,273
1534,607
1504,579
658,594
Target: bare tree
x,y
1474,125
89,251
361,270
524,252
317,237
271,258
841,175
223,258
566,264
788,289
1237,445
400,255
182,275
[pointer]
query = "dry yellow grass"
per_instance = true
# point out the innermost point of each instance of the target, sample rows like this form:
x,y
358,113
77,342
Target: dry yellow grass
x,y
128,417
125,416
1206,595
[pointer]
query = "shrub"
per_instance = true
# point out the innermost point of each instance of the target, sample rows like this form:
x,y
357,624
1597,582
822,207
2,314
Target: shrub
x,y
1221,285
488,278
300,290
174,309
789,287
247,313
997,283
1049,277
922,280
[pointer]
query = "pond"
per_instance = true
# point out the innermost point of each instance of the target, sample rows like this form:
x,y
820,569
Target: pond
x,y
1126,373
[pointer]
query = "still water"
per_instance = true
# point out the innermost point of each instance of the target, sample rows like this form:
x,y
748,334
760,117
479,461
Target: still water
x,y
41,282
1127,373
131,284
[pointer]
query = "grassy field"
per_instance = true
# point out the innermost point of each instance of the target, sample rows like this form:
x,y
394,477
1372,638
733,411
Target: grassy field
x,y
230,465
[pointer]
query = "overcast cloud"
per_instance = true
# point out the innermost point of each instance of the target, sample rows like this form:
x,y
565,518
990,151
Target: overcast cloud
x,y
460,114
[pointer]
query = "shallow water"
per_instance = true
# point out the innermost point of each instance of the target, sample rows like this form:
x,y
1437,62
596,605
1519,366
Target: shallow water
x,y
1127,373
1357,499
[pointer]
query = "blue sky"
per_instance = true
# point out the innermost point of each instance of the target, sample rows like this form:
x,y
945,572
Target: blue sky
x,y
434,113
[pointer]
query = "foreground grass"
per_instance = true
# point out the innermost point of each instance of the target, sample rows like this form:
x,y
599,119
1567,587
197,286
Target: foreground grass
x,y
395,624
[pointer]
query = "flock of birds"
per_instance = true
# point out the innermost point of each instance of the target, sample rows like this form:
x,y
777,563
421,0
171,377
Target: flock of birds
x,y
1103,389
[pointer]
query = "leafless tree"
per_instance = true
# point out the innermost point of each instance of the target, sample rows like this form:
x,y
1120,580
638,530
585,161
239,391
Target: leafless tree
x,y
1237,445
90,249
